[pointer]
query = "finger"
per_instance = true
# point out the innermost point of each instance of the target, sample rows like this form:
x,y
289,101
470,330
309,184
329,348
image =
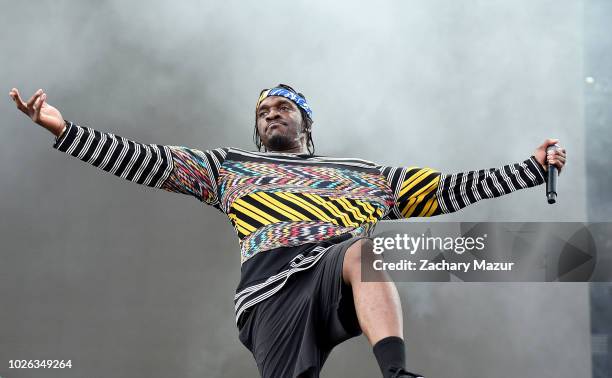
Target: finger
x,y
43,101
557,163
550,141
34,97
559,153
17,98
554,153
38,105
554,160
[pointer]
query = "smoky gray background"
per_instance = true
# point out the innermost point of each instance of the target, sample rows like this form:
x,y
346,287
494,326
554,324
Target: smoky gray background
x,y
127,281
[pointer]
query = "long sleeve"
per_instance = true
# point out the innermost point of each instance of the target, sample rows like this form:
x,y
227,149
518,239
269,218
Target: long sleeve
x,y
171,168
424,192
195,173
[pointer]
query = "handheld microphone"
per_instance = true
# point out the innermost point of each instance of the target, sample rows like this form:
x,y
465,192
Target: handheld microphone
x,y
551,179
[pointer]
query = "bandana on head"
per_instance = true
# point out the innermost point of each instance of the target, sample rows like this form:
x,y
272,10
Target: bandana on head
x,y
282,92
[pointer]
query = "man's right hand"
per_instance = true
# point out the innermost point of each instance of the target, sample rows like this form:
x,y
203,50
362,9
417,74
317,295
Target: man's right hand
x,y
39,111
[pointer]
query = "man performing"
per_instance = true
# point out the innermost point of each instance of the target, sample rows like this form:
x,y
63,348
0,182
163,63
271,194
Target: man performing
x,y
302,221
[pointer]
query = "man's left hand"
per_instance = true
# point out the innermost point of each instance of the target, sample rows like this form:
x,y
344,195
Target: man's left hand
x,y
556,157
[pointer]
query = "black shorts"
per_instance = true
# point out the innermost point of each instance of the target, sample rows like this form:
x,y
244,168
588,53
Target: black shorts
x,y
292,333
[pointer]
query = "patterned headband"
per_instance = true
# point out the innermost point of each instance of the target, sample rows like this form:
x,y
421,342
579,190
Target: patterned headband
x,y
282,92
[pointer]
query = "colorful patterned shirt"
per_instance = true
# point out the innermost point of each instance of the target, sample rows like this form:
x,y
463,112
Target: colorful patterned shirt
x,y
281,200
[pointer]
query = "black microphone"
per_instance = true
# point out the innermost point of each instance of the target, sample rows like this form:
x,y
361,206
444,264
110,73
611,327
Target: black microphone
x,y
551,179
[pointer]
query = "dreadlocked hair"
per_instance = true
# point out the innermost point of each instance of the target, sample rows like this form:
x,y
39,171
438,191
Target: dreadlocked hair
x,y
306,125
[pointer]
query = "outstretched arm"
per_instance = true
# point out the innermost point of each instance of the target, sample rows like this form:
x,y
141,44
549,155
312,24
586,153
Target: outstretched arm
x,y
172,168
424,192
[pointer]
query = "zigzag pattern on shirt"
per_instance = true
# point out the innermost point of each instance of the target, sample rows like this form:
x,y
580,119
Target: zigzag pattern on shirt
x,y
294,233
260,209
239,179
192,175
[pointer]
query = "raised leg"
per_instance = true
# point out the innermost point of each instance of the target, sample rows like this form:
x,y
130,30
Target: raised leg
x,y
377,304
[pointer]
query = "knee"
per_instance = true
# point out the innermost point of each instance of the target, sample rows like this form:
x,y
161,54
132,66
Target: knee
x,y
354,254
357,249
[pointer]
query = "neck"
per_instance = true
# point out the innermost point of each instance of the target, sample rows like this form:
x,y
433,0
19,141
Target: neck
x,y
298,147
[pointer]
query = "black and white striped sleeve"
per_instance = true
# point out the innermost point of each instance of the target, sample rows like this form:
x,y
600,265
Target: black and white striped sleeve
x,y
145,164
423,192
459,190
